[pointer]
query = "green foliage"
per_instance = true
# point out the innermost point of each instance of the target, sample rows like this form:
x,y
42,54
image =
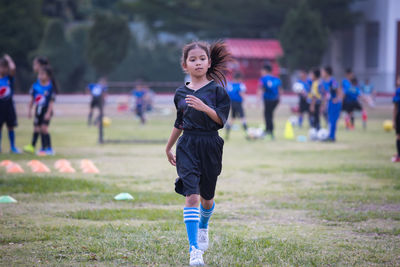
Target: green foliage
x,y
303,37
60,53
108,43
21,27
143,62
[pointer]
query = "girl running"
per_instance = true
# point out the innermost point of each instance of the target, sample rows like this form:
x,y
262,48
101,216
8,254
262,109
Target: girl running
x,y
202,109
43,95
38,63
7,108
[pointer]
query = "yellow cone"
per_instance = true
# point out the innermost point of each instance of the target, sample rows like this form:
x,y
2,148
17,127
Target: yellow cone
x,y
289,134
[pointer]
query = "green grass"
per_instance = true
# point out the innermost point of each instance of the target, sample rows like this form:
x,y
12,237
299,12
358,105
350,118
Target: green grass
x,y
150,214
278,203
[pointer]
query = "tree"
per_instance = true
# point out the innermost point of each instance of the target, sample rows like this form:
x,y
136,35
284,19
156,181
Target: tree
x,y
108,42
303,37
60,53
21,27
211,19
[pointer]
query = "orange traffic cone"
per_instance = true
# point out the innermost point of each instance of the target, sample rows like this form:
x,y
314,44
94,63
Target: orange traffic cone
x,y
33,162
14,168
66,169
61,163
40,168
6,163
90,169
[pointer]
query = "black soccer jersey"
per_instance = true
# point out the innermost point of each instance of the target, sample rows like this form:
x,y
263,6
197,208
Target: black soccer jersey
x,y
188,118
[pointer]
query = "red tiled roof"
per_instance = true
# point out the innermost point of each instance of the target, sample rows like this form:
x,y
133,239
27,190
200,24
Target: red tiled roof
x,y
255,48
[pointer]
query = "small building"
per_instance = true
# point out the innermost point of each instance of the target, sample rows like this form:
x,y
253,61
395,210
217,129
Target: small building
x,y
372,47
251,55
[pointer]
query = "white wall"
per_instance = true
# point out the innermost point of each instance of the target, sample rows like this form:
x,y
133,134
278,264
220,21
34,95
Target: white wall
x,y
387,13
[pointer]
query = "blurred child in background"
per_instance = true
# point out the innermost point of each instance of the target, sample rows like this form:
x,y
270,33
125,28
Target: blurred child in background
x,y
396,119
236,91
98,92
368,93
317,96
304,105
8,114
269,87
141,98
351,102
38,62
334,98
43,93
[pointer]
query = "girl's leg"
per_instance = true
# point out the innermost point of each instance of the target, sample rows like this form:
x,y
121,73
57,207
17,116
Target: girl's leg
x,y
45,136
206,210
11,137
35,136
191,218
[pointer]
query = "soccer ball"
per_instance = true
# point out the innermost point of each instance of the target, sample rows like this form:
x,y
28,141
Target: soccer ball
x,y
298,88
313,134
255,133
387,125
322,134
106,121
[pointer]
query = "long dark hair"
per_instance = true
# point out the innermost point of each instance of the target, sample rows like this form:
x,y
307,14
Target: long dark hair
x,y
42,60
49,71
219,55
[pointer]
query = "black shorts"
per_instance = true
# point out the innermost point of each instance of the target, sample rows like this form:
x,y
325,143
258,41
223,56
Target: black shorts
x,y
8,115
39,117
96,102
198,163
398,123
304,106
350,106
237,110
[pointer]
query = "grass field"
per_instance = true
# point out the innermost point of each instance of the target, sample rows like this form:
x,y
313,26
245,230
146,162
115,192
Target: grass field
x,y
279,203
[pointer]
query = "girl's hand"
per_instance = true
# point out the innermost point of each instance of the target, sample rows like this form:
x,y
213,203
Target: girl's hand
x,y
47,116
171,158
312,108
29,114
195,103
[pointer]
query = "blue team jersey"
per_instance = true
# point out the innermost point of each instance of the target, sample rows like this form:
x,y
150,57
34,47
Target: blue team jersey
x,y
139,95
6,88
367,89
351,93
330,87
396,98
234,90
42,94
97,89
306,84
346,84
271,86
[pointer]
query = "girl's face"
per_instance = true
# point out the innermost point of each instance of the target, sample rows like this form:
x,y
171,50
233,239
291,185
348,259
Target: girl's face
x,y
3,70
43,76
324,74
197,63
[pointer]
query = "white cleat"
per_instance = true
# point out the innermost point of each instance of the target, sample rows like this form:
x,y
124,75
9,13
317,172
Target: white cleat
x,y
202,239
196,257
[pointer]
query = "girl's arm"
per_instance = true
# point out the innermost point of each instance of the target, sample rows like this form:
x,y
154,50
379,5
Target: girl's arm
x,y
11,64
171,142
49,110
30,108
199,105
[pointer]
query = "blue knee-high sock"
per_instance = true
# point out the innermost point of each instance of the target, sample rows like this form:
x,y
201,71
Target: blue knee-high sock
x,y
205,216
300,121
191,219
11,137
